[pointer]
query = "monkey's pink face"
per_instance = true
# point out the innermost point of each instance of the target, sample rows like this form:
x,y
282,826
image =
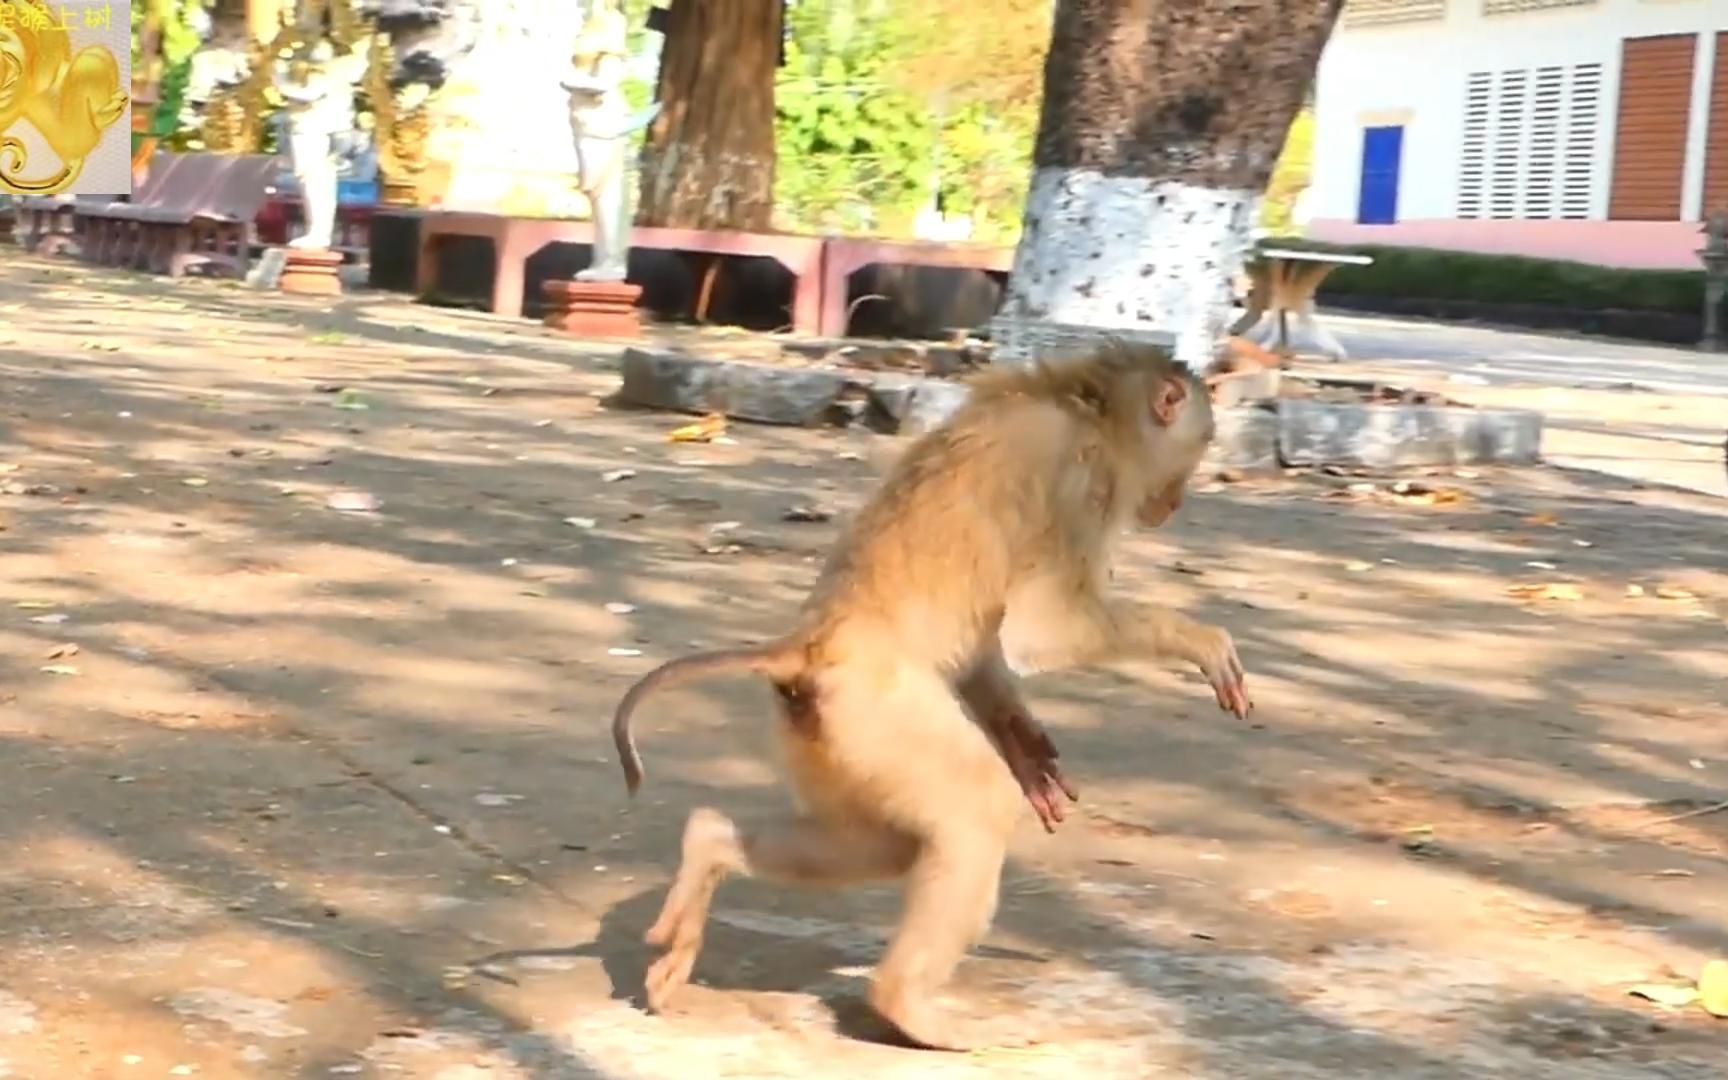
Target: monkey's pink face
x,y
1158,507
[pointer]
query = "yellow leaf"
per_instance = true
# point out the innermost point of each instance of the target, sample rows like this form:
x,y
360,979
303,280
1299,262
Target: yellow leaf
x,y
1550,591
1674,997
1413,494
708,428
1634,590
1713,988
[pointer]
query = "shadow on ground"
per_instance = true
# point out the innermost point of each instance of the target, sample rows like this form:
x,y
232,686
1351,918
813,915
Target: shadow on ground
x,y
292,790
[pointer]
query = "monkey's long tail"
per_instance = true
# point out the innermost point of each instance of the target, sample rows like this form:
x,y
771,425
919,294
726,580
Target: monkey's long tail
x,y
14,146
781,660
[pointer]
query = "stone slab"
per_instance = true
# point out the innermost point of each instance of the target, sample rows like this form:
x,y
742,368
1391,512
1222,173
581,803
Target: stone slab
x,y
266,273
797,397
933,402
1391,436
1251,437
891,398
1246,439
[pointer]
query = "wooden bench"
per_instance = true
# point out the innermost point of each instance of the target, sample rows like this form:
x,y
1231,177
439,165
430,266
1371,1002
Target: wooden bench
x,y
60,222
48,224
1284,281
843,256
194,210
515,240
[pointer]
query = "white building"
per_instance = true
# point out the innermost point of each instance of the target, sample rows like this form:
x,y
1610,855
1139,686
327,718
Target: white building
x,y
1594,130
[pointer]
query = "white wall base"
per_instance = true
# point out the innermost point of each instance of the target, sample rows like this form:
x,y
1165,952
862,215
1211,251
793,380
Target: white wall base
x,y
1130,252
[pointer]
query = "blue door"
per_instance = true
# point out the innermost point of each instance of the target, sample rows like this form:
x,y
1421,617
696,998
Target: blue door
x,y
1382,151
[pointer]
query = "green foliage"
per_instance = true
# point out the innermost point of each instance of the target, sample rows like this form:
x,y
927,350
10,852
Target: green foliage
x,y
179,41
1432,274
857,152
171,101
850,153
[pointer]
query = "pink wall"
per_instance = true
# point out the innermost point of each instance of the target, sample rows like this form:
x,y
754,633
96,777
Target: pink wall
x,y
1663,245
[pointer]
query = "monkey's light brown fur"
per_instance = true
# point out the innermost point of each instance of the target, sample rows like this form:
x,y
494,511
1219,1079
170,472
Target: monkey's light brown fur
x,y
903,728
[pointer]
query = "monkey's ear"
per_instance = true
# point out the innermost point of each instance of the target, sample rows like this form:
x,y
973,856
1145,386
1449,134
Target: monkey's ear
x,y
1167,400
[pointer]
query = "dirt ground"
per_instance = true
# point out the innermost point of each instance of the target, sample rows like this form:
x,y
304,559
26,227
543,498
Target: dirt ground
x,y
296,791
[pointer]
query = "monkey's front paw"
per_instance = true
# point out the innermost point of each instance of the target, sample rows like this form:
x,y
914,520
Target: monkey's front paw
x,y
1215,654
1031,757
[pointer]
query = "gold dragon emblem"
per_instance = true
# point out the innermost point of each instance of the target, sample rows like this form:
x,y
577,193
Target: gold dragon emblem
x,y
69,97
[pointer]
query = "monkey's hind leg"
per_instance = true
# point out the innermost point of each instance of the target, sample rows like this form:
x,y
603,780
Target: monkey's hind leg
x,y
804,850
920,761
950,901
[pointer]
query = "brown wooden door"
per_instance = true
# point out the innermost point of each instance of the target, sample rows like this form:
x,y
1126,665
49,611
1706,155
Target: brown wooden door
x,y
1716,147
1650,132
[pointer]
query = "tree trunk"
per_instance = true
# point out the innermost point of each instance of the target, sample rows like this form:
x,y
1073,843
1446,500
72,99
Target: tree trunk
x,y
708,162
1161,122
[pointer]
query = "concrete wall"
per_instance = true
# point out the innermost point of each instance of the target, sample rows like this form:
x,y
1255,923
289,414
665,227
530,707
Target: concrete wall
x,y
1415,74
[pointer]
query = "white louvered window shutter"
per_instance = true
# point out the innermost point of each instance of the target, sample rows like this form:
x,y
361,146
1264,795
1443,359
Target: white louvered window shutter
x,y
1541,180
1583,132
1472,162
1530,142
1505,169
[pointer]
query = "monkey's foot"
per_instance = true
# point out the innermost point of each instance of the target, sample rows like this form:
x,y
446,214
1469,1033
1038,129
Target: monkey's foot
x,y
1215,654
710,850
931,1027
669,974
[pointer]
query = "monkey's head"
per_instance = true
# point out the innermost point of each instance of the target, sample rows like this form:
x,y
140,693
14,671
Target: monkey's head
x,y
1179,426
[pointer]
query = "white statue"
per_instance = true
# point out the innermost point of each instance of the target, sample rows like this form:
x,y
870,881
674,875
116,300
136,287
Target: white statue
x,y
601,122
318,86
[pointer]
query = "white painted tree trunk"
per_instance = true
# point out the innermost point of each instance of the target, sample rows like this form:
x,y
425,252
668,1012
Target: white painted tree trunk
x,y
1127,252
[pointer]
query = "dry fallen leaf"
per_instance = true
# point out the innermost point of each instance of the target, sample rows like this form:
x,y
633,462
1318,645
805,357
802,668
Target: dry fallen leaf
x,y
59,669
1713,988
1549,591
1415,494
1674,997
1542,519
1634,590
62,650
352,502
1674,592
704,430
